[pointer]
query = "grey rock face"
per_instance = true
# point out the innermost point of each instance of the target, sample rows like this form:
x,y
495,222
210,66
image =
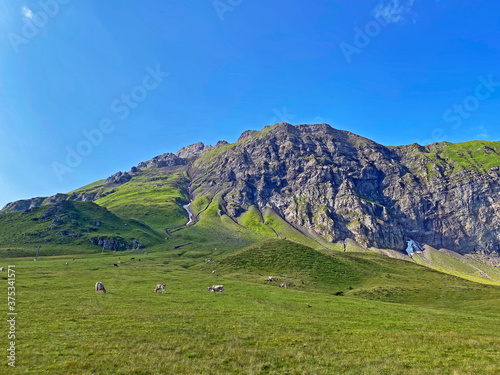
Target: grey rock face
x,y
119,178
165,160
115,243
344,186
193,151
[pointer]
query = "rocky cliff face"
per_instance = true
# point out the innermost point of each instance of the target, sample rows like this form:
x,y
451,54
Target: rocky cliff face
x,y
342,186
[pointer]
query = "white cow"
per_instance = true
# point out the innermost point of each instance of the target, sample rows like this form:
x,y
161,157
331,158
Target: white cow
x,y
99,287
270,279
283,285
216,288
163,288
1,269
214,272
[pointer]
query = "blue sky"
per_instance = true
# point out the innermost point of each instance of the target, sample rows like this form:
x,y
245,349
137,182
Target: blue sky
x,y
91,88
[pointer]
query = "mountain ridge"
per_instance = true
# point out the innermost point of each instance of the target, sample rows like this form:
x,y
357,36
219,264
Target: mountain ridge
x,y
330,184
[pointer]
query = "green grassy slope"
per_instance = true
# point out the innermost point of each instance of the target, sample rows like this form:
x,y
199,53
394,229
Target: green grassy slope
x,y
255,327
153,197
451,158
287,231
252,220
455,264
213,235
480,155
364,275
66,228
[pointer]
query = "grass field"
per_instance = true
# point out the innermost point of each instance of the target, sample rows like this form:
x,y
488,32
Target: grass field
x,y
350,313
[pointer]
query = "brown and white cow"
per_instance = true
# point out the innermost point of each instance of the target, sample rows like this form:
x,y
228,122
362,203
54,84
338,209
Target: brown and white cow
x,y
216,288
99,287
214,272
163,288
283,285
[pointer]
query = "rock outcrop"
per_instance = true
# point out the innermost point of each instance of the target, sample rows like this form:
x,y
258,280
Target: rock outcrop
x,y
342,186
165,160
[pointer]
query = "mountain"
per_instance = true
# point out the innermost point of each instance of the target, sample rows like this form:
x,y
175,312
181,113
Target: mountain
x,y
312,184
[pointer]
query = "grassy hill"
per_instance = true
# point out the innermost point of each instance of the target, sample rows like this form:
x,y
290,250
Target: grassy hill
x,y
455,264
153,196
363,275
67,228
394,317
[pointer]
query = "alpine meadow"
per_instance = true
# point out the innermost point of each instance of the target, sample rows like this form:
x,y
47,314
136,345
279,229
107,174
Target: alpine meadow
x,y
250,187
326,212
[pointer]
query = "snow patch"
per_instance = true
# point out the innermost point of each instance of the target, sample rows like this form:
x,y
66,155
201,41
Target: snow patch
x,y
413,247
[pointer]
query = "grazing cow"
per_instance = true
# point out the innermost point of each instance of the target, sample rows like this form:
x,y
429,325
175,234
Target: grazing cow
x,y
1,269
208,260
99,287
139,259
216,288
132,258
73,258
270,279
163,288
66,263
214,272
119,262
283,285
115,265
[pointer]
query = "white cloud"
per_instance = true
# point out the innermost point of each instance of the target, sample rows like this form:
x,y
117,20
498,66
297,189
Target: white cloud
x,y
393,11
27,12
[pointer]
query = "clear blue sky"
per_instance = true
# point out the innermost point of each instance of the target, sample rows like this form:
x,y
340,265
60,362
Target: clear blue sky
x,y
397,72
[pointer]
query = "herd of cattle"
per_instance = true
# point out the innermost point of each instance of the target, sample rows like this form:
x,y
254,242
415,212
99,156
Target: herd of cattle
x,y
99,286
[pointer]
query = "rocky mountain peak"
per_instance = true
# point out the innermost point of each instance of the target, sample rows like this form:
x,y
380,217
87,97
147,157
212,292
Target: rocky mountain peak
x,y
192,151
247,135
165,160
